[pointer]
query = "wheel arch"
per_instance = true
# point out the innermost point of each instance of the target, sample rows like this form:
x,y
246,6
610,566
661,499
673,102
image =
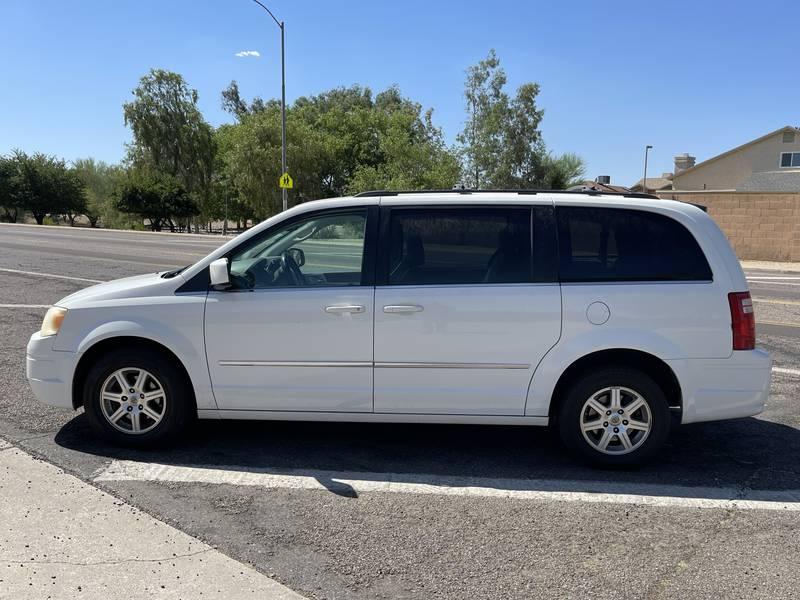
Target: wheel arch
x,y
648,363
125,341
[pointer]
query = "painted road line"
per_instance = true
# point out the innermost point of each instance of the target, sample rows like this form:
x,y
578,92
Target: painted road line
x,y
772,301
765,282
784,371
778,324
604,492
51,275
25,305
774,277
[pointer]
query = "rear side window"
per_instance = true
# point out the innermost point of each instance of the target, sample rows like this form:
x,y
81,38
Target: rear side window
x,y
609,244
459,246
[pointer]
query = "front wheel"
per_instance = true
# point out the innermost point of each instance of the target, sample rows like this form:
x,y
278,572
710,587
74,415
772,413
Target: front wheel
x,y
614,417
136,398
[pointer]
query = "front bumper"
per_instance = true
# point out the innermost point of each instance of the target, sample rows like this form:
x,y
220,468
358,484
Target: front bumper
x,y
729,388
49,371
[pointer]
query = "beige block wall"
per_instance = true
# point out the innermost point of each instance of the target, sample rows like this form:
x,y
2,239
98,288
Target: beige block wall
x,y
760,226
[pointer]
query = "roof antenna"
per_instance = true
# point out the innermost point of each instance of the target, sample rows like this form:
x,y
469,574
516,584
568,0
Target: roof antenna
x,y
459,186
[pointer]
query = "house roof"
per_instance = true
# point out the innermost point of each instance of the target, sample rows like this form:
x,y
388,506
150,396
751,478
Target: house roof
x,y
771,181
737,148
654,183
599,187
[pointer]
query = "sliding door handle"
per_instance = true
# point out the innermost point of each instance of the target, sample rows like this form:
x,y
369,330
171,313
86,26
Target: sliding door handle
x,y
345,309
402,308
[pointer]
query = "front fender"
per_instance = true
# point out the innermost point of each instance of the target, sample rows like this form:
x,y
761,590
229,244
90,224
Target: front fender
x,y
178,326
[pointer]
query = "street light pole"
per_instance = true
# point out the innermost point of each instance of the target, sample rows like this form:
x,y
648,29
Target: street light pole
x,y
284,194
282,27
644,179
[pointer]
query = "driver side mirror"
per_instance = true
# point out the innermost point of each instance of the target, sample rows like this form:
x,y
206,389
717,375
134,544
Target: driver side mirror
x,y
219,274
298,255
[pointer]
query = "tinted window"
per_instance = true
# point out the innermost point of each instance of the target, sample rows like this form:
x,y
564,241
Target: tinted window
x,y
459,246
607,244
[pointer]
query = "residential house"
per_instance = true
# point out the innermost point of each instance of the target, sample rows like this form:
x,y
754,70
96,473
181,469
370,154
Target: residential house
x,y
770,163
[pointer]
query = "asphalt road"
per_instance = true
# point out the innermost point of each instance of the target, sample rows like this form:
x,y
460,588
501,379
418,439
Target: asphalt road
x,y
388,511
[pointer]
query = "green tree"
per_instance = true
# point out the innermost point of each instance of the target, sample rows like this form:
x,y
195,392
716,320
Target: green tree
x,y
340,141
170,135
42,185
99,180
155,197
9,189
501,143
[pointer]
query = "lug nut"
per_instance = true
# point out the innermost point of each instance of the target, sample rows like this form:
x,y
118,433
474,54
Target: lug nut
x,y
620,411
141,407
608,412
605,423
624,422
616,429
124,398
141,396
132,390
130,408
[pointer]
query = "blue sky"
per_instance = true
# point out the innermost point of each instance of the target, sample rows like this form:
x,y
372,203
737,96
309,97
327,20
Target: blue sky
x,y
698,77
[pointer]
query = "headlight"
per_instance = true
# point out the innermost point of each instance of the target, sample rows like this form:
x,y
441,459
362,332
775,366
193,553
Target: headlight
x,y
52,321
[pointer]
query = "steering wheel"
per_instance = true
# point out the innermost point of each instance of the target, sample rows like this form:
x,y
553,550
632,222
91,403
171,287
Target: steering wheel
x,y
290,267
245,281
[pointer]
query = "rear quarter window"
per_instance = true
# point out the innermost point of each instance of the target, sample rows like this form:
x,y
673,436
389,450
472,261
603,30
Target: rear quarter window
x,y
610,244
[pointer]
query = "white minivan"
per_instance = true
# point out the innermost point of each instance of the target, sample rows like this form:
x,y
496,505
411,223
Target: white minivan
x,y
609,317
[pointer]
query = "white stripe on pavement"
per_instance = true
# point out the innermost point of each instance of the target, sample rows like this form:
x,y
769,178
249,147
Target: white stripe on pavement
x,y
51,275
783,371
773,301
526,489
773,277
793,283
25,305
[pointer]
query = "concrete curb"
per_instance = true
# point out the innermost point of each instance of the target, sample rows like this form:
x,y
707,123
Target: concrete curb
x,y
63,538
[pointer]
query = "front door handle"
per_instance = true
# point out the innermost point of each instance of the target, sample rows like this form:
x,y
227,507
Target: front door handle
x,y
344,309
403,308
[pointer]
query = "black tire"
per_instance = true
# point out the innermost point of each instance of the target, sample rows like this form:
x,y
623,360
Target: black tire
x,y
178,407
571,412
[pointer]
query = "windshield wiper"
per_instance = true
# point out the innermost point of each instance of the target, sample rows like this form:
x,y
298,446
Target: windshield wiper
x,y
173,273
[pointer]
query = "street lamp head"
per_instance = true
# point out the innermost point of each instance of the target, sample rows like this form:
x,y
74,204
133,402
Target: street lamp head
x,y
648,147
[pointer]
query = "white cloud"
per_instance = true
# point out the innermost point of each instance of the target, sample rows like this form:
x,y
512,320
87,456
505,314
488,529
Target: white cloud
x,y
245,53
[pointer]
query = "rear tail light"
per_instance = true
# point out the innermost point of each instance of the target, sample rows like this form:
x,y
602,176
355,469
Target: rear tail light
x,y
743,320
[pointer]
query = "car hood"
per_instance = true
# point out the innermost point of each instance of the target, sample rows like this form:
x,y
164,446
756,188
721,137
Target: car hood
x,y
139,286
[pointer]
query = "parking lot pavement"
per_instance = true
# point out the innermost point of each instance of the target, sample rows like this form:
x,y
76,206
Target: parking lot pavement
x,y
410,511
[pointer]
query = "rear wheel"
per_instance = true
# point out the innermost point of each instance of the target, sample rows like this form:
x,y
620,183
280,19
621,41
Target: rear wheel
x,y
614,417
136,398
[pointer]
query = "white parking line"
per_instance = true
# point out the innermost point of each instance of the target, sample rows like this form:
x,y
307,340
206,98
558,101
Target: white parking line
x,y
25,305
51,275
783,371
606,492
773,301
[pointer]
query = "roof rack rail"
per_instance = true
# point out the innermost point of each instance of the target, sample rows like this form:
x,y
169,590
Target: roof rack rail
x,y
373,193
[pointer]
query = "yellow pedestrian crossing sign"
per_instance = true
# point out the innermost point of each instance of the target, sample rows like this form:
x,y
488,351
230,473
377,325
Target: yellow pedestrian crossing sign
x,y
286,182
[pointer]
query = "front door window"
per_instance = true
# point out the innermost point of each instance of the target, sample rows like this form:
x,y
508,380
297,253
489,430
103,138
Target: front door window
x,y
323,250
